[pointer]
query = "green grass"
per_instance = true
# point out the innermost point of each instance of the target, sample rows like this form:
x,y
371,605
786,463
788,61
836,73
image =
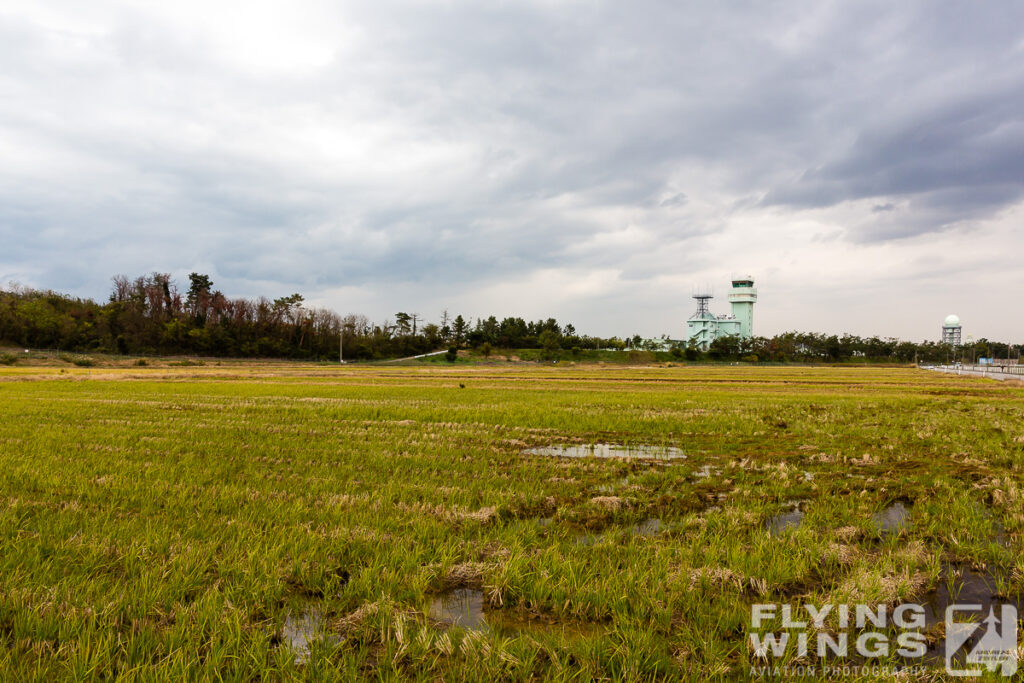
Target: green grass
x,y
160,523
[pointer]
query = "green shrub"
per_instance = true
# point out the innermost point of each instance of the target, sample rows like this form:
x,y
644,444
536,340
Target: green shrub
x,y
8,359
80,361
452,354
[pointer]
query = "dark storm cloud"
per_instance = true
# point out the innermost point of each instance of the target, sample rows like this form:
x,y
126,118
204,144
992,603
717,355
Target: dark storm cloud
x,y
965,158
945,130
472,144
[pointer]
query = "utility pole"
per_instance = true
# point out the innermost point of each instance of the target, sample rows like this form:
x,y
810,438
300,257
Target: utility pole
x,y
341,345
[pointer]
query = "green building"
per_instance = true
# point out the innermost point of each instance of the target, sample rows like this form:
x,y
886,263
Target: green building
x,y
703,327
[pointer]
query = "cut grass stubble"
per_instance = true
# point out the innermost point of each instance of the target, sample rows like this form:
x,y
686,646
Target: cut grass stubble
x,y
168,523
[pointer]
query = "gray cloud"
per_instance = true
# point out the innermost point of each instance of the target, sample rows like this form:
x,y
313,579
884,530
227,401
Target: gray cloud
x,y
429,152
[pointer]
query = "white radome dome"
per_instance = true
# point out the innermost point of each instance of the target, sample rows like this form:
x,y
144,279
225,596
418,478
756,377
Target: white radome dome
x,y
952,320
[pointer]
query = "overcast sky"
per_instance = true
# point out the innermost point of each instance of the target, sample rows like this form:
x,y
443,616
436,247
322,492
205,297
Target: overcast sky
x,y
585,160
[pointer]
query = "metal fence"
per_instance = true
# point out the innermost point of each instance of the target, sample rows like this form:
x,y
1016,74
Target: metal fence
x,y
994,371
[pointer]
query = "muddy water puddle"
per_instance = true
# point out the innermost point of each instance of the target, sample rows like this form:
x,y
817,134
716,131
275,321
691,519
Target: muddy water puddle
x,y
462,607
607,450
893,519
624,483
466,608
977,597
301,629
785,521
706,472
968,587
648,527
999,536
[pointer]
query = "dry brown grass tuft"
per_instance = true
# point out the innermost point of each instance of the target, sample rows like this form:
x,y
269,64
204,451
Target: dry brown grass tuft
x,y
451,514
716,577
463,575
361,614
612,503
868,585
495,551
842,554
483,515
467,574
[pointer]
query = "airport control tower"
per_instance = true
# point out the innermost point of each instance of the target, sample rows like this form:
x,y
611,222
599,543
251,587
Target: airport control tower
x,y
703,327
742,298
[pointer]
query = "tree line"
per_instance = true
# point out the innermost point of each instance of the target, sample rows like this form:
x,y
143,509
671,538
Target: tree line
x,y
152,315
831,348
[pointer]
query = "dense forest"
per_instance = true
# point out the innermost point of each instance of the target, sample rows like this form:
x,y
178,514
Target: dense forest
x,y
150,315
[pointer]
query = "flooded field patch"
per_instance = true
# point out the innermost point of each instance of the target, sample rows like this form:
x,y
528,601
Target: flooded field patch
x,y
605,450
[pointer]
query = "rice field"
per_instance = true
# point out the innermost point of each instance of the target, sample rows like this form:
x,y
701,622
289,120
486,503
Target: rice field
x,y
266,521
